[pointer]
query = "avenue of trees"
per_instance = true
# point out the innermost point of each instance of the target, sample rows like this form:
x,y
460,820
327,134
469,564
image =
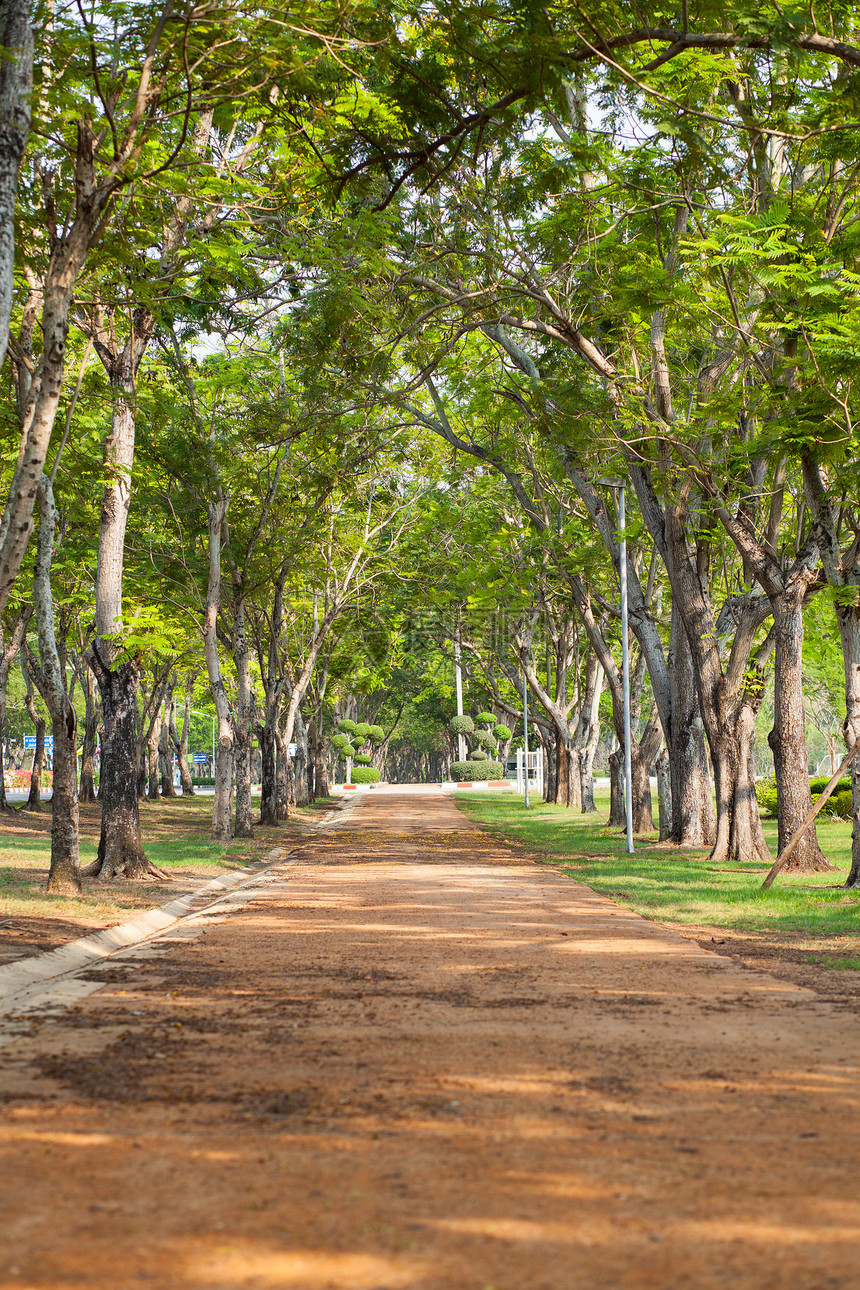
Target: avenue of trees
x,y
330,333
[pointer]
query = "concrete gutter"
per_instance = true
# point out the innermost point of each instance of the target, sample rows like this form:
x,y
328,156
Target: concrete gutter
x,y
26,979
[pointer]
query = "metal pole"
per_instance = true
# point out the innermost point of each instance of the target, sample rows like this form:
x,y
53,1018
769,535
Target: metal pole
x,y
461,739
625,672
526,736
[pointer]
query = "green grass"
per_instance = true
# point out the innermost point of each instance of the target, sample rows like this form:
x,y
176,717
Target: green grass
x,y
674,886
176,837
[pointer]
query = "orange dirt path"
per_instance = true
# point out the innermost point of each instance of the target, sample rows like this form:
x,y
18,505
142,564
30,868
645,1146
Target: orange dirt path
x,y
420,1061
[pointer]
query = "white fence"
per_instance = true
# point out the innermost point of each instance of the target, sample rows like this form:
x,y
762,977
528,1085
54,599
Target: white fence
x,y
535,770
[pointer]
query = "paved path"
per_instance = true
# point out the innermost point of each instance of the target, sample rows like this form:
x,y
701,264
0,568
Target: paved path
x,y
418,1061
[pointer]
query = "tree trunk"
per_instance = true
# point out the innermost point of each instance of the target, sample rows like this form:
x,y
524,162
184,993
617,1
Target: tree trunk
x,y
269,786
244,722
8,652
617,809
787,739
283,778
120,853
321,783
664,796
640,766
165,759
34,797
64,877
152,745
222,807
843,573
87,791
588,732
16,85
300,762
694,819
180,743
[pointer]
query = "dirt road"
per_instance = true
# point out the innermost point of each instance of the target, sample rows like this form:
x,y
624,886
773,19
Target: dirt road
x,y
420,1062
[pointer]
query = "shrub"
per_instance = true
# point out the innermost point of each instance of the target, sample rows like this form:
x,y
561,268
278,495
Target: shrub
x,y
340,742
347,726
501,732
363,759
376,734
362,730
485,739
820,782
366,775
461,771
486,718
462,725
477,754
765,791
840,803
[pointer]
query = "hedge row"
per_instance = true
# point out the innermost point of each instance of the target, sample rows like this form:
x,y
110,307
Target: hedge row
x,y
839,802
463,771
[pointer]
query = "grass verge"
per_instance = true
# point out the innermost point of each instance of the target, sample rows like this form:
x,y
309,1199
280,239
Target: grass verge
x,y
679,887
176,837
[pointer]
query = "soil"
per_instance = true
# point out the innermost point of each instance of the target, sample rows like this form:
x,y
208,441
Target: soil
x,y
419,1061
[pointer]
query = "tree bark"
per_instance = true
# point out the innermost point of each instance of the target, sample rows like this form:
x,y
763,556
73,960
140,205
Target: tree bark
x,y
694,820
120,853
222,807
617,806
16,86
301,762
8,652
588,731
180,742
34,796
49,673
165,744
787,739
843,573
664,795
244,725
87,790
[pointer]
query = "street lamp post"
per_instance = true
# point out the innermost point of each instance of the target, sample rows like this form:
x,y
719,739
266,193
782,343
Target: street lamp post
x,y
625,670
625,655
526,739
461,738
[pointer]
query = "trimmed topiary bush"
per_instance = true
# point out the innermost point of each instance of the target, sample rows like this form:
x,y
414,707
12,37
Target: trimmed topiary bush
x,y
462,725
485,739
486,718
363,759
347,726
362,730
463,771
376,734
501,732
366,775
340,742
477,754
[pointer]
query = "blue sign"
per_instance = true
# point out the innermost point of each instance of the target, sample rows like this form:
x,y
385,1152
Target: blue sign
x,y
30,742
200,757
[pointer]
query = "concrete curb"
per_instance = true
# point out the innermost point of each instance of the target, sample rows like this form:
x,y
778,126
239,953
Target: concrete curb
x,y
21,979
87,950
